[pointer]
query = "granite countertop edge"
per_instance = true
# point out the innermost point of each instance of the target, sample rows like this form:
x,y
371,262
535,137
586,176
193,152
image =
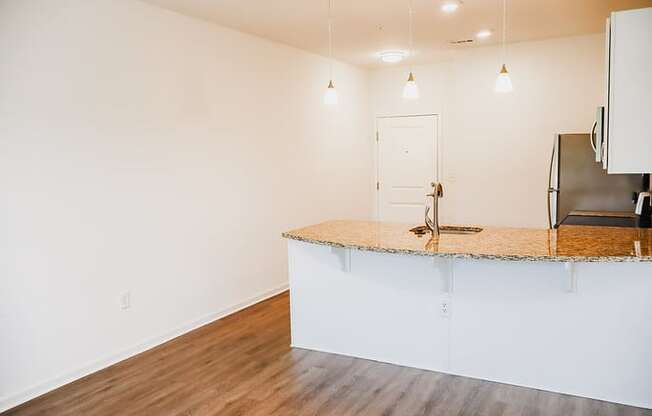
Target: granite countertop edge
x,y
475,256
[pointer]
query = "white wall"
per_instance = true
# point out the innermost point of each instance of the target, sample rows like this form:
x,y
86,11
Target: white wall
x,y
148,152
144,151
496,148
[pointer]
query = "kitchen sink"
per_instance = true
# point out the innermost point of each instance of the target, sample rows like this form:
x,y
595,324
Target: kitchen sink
x,y
447,229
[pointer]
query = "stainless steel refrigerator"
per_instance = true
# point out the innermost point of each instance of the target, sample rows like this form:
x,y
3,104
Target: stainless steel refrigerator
x,y
581,192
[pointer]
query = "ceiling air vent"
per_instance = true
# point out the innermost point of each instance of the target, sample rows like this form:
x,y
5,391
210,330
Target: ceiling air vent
x,y
461,42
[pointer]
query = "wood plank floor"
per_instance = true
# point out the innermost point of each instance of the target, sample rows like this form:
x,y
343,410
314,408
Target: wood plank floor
x,y
243,365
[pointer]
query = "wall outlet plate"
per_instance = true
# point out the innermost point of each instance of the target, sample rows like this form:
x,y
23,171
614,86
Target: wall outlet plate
x,y
445,308
125,301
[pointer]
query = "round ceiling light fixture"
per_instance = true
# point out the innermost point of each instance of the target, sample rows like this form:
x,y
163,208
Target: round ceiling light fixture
x,y
483,34
392,57
450,6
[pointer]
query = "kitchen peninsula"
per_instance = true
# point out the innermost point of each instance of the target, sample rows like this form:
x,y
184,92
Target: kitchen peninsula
x,y
564,310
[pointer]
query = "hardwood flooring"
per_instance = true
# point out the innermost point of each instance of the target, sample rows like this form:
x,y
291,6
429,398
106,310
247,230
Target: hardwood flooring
x,y
243,365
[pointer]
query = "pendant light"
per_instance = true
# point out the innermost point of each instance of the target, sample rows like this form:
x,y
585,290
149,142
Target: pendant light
x,y
411,90
503,82
330,96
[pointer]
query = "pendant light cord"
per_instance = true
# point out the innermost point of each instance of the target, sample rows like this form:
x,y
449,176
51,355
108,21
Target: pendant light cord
x,y
504,30
410,49
330,39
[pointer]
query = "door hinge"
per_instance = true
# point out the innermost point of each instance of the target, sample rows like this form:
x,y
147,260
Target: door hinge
x,y
377,137
378,186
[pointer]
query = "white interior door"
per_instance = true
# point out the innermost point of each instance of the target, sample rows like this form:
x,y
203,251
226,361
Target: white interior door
x,y
407,164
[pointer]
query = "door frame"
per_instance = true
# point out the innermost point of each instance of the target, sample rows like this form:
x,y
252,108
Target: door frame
x,y
438,148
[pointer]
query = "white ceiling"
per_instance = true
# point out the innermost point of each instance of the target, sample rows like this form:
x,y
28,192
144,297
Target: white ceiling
x,y
364,27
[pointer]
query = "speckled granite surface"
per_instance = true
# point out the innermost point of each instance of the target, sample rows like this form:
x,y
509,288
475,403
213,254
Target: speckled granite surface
x,y
569,243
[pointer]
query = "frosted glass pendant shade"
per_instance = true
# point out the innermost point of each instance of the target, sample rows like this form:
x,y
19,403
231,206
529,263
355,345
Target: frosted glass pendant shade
x,y
503,82
411,89
330,96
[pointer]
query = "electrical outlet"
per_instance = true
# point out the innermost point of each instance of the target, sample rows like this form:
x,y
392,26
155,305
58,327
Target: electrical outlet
x,y
125,300
445,308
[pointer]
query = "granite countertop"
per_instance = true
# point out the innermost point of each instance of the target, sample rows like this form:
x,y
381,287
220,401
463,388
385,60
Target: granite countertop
x,y
566,244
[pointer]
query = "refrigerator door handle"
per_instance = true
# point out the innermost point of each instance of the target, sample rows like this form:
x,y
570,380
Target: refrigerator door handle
x,y
551,190
592,137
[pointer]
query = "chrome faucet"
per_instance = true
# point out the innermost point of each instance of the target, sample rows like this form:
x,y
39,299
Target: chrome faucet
x,y
433,224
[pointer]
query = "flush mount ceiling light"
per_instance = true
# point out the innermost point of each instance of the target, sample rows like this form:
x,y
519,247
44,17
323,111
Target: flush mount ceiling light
x,y
330,96
504,82
450,6
411,90
392,56
483,34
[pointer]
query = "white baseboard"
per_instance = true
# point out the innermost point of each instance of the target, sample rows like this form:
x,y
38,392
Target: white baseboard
x,y
14,400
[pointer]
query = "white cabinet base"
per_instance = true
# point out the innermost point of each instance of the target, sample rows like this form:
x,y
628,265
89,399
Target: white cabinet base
x,y
583,329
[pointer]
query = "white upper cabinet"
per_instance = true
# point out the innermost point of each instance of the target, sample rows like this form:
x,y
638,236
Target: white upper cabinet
x,y
629,102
